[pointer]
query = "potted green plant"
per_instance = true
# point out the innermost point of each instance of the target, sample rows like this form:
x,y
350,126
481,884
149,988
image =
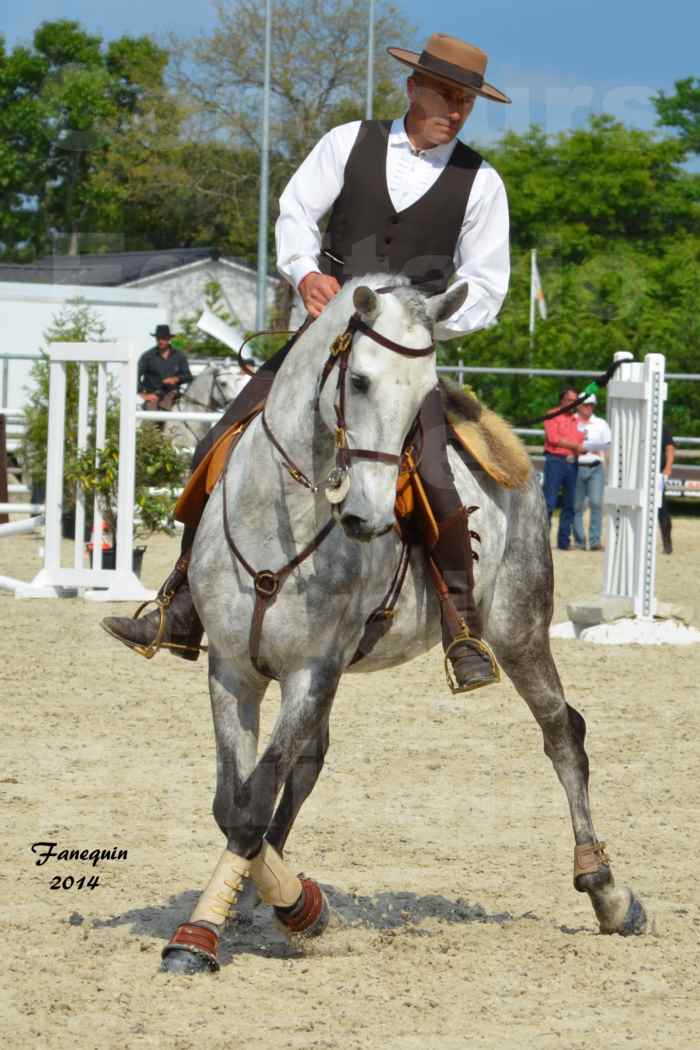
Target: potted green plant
x,y
74,323
160,471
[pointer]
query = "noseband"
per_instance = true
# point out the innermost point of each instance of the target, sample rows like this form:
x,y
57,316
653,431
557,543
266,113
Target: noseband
x,y
339,354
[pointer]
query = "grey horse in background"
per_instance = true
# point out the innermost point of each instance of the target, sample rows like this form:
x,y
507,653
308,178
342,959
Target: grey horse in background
x,y
316,620
212,390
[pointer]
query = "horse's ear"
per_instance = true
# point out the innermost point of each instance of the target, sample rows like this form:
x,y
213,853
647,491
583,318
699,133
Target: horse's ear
x,y
366,302
440,307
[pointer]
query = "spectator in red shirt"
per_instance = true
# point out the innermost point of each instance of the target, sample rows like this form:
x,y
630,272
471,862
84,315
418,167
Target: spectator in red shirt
x,y
563,442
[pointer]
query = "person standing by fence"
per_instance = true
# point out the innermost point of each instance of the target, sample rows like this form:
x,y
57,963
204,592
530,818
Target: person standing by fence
x,y
563,442
590,478
668,455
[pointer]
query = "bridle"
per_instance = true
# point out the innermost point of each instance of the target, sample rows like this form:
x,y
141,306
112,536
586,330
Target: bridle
x,y
268,582
211,403
339,354
222,399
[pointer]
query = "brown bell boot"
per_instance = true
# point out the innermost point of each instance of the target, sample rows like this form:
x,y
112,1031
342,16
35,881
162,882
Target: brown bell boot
x,y
173,625
471,660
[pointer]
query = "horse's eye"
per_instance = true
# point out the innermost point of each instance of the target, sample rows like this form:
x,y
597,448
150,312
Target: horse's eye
x,y
359,383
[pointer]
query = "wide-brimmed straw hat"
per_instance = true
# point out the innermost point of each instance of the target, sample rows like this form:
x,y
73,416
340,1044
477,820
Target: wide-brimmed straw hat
x,y
448,58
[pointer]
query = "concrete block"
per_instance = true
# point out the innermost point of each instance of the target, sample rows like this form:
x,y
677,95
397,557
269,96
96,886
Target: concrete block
x,y
599,608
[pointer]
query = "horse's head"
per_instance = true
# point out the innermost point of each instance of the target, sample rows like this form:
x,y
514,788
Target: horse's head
x,y
227,384
384,387
214,388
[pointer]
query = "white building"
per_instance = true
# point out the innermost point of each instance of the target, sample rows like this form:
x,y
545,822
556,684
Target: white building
x,y
130,292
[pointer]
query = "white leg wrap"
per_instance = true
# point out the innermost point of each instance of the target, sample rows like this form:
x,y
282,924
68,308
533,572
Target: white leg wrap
x,y
222,892
276,883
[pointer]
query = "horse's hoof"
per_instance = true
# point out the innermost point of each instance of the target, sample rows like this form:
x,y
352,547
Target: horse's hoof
x,y
310,915
191,949
180,960
635,921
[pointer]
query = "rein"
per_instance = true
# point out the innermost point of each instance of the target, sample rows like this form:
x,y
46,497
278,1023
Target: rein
x,y
267,582
593,387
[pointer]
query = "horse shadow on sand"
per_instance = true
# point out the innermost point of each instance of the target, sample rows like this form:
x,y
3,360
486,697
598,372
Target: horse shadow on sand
x,y
254,930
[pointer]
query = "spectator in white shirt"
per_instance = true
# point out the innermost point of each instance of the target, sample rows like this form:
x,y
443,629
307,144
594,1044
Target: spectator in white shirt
x,y
590,480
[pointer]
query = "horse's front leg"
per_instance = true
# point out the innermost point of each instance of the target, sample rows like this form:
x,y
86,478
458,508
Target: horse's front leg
x,y
298,786
530,667
243,807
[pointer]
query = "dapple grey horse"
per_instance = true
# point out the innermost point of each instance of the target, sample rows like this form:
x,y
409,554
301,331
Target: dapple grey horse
x,y
212,390
314,623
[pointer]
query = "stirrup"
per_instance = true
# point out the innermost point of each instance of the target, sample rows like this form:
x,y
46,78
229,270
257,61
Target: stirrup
x,y
149,651
480,646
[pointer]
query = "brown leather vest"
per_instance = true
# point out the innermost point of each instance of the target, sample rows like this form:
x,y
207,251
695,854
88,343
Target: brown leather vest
x,y
366,233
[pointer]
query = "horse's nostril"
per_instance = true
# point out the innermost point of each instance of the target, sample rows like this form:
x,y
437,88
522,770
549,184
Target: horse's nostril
x,y
355,526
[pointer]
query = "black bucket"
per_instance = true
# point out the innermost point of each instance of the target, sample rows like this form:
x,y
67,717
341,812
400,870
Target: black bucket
x,y
109,559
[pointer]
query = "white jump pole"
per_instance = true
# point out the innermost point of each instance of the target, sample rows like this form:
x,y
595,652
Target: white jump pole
x,y
21,508
8,584
635,413
15,528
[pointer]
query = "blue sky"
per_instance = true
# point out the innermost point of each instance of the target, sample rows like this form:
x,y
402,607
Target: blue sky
x,y
560,60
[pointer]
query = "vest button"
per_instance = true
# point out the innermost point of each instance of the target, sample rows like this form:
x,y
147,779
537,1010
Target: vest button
x,y
387,240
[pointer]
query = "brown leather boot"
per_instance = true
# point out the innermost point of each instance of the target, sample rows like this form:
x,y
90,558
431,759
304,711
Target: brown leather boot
x,y
472,661
665,525
173,625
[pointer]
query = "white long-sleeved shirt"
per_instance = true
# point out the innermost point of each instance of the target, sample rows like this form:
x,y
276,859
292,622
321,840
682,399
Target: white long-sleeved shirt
x,y
596,441
482,255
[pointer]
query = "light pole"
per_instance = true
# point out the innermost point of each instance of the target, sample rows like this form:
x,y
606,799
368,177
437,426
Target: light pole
x,y
370,62
261,311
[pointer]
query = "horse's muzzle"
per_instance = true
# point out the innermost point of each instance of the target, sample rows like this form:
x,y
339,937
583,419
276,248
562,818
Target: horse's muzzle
x,y
360,529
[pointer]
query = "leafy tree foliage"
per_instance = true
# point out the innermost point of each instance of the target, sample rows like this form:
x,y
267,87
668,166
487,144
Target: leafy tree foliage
x,y
64,102
615,219
318,74
682,111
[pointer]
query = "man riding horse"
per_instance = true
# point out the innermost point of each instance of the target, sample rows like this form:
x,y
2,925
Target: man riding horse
x,y
407,197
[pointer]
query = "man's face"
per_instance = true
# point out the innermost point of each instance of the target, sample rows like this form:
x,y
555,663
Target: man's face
x,y
438,108
585,411
568,397
163,344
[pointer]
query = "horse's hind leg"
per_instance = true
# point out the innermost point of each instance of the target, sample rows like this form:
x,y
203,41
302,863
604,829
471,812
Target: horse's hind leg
x,y
531,669
518,629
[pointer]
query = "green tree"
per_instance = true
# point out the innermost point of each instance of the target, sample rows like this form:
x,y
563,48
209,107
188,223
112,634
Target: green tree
x,y
64,102
615,218
681,110
320,62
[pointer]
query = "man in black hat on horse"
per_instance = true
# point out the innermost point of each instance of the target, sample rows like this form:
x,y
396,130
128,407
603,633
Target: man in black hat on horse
x,y
162,370
405,197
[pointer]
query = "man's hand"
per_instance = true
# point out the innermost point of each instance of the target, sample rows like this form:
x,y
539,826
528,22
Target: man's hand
x,y
171,380
316,291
